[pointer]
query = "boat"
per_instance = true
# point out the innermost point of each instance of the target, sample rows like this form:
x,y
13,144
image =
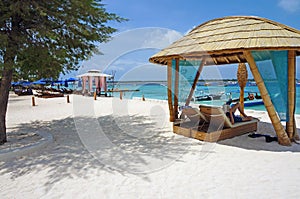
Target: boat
x,y
209,97
47,93
255,102
203,98
251,100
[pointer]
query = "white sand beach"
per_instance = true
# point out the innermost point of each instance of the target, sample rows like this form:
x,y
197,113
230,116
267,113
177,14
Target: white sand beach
x,y
110,148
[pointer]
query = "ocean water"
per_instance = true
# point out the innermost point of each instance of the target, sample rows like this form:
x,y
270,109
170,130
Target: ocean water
x,y
159,91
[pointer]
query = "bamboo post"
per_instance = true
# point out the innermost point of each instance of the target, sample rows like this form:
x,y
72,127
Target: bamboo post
x,y
68,99
121,95
242,76
290,124
95,95
296,136
171,110
176,89
283,138
195,82
33,101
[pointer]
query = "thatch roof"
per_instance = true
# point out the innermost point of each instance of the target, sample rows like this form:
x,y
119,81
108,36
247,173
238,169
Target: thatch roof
x,y
225,39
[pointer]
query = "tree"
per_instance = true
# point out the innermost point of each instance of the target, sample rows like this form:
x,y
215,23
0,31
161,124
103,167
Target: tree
x,y
44,38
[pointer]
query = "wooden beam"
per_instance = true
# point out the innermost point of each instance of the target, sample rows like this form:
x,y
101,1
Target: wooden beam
x,y
188,100
237,57
215,61
169,74
290,124
176,89
283,138
227,60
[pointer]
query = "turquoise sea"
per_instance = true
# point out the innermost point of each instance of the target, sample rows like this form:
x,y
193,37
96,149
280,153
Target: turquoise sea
x,y
159,91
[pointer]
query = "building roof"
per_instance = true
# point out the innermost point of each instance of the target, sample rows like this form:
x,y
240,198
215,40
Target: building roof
x,y
94,73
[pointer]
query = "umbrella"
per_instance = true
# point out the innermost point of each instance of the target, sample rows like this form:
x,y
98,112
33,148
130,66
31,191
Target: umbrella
x,y
21,83
58,81
71,79
39,82
46,80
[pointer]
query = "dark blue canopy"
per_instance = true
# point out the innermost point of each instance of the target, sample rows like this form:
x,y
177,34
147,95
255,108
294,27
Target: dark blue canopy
x,y
71,79
40,82
21,83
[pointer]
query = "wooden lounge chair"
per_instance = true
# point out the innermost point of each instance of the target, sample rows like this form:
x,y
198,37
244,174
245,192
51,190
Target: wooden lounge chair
x,y
193,114
190,118
214,115
217,126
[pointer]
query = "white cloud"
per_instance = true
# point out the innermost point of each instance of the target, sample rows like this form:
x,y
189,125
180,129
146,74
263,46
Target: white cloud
x,y
131,49
189,30
159,38
289,5
147,72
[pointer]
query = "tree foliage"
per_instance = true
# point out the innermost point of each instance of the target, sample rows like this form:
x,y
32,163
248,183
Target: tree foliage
x,y
44,38
41,38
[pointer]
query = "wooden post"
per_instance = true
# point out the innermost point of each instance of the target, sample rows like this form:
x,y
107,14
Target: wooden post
x,y
242,77
195,82
121,95
176,89
296,136
33,101
68,99
169,74
283,138
95,95
290,124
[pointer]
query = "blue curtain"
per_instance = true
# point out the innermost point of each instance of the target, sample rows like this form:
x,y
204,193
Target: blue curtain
x,y
187,74
273,68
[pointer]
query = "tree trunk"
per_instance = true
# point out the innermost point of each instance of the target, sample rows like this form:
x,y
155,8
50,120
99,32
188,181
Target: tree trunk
x,y
4,93
9,61
7,73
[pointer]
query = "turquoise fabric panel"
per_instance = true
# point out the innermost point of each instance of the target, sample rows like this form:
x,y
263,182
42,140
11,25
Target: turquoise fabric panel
x,y
187,74
273,68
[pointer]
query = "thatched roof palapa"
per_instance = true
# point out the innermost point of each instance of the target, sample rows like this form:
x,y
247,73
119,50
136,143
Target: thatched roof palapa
x,y
223,40
230,40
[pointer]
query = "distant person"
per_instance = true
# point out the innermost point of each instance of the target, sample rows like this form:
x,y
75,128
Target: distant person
x,y
251,96
230,112
257,96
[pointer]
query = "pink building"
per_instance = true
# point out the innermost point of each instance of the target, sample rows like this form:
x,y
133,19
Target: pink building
x,y
94,78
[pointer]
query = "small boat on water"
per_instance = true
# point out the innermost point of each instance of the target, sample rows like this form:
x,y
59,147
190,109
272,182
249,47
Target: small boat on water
x,y
209,97
251,100
255,102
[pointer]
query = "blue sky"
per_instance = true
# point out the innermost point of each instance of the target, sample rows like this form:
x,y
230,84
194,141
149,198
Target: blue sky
x,y
182,15
151,20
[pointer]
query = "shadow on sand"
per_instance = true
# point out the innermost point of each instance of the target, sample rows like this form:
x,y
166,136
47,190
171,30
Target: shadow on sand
x,y
260,143
132,150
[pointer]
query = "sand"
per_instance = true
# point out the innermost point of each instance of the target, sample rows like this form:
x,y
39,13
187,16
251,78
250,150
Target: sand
x,y
110,148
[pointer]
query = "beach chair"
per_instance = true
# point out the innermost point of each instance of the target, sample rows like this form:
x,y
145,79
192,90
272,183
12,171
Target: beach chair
x,y
216,125
193,114
190,117
224,128
215,115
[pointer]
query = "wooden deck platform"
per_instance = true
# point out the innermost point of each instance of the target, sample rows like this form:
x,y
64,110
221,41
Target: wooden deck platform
x,y
209,133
